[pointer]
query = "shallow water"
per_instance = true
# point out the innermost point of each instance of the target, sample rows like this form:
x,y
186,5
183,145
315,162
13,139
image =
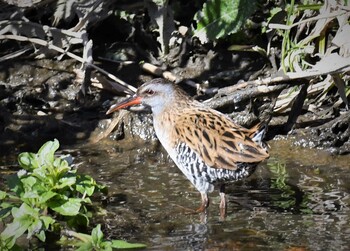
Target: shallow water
x,y
298,199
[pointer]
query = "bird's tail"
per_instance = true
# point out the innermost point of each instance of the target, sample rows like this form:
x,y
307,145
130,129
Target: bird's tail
x,y
258,134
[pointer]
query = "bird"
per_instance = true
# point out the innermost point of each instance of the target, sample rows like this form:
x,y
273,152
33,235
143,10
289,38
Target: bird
x,y
205,144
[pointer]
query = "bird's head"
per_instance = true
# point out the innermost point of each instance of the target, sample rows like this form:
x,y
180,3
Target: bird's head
x,y
157,94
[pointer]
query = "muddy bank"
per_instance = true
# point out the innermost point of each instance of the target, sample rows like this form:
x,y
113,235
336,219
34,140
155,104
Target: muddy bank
x,y
332,136
244,74
40,100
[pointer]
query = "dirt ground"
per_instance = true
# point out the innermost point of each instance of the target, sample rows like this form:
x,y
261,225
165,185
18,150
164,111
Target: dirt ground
x,y
53,97
40,100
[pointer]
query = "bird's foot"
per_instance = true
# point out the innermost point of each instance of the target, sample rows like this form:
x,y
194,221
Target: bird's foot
x,y
201,209
187,210
203,215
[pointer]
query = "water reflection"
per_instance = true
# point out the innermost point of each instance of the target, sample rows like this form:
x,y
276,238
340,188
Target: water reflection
x,y
295,200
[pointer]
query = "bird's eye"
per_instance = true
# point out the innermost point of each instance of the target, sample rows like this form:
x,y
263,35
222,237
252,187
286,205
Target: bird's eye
x,y
149,92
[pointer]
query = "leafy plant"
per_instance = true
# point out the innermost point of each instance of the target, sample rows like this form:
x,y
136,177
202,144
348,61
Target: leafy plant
x,y
293,51
46,191
96,242
314,40
219,18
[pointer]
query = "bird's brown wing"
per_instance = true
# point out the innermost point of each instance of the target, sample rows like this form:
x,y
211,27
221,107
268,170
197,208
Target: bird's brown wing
x,y
217,140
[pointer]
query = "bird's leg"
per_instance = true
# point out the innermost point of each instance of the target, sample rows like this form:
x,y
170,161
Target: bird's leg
x,y
223,205
205,203
202,208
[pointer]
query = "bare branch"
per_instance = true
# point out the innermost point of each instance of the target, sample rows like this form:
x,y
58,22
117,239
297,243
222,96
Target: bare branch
x,y
69,54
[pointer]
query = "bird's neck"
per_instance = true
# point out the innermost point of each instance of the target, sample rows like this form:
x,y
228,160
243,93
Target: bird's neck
x,y
158,110
171,106
163,123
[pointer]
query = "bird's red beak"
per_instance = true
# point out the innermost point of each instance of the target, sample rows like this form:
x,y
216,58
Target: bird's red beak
x,y
134,100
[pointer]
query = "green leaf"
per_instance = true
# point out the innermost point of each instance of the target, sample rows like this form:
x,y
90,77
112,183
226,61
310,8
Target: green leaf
x,y
65,182
41,174
68,207
22,221
85,247
97,234
78,220
34,227
30,195
106,246
47,221
46,153
23,210
28,161
86,184
124,245
15,184
28,182
61,166
2,195
219,18
41,235
7,242
46,196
